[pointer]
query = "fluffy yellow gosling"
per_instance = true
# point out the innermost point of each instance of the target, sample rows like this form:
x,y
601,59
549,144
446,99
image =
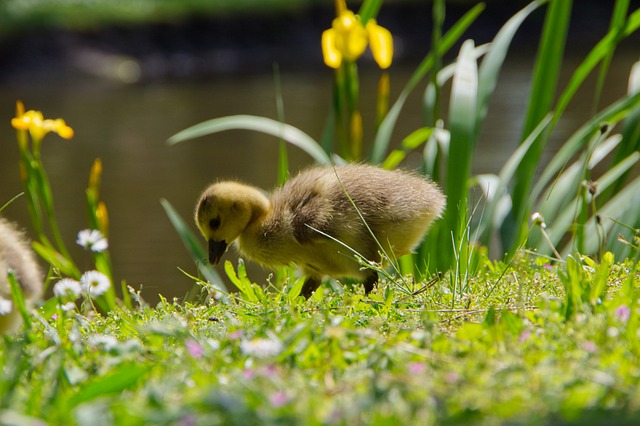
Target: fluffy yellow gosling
x,y
310,220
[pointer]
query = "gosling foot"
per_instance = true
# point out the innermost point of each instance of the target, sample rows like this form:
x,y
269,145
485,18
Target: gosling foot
x,y
309,287
369,282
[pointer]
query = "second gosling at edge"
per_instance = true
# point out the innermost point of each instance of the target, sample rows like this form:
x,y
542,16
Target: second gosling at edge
x,y
292,225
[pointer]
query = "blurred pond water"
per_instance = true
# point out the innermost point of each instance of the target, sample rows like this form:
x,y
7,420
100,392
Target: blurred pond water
x,y
127,126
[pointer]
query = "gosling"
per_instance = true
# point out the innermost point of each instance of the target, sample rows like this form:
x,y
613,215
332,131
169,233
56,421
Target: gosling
x,y
312,222
16,256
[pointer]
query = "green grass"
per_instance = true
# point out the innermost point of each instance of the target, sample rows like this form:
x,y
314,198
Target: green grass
x,y
501,349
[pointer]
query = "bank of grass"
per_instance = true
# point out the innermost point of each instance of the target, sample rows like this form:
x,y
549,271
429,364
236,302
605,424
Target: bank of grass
x,y
17,16
502,347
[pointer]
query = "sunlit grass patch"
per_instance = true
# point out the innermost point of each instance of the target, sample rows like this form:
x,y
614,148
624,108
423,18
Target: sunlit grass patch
x,y
501,354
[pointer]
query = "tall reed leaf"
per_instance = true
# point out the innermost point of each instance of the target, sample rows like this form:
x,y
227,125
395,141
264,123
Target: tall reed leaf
x,y
383,137
614,113
462,116
524,178
618,19
631,129
492,62
495,195
543,89
261,124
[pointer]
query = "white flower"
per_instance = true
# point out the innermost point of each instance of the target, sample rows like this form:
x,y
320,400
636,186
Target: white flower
x,y
261,348
67,289
104,341
6,306
68,307
537,219
92,240
95,283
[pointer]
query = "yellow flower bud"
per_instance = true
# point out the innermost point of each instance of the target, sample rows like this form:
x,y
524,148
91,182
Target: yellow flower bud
x,y
381,43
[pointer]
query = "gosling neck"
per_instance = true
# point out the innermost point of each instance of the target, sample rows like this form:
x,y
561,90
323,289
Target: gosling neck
x,y
259,206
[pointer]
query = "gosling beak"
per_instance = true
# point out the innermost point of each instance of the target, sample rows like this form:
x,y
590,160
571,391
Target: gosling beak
x,y
216,250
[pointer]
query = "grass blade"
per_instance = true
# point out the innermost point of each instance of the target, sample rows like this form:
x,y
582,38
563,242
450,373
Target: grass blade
x,y
10,201
198,254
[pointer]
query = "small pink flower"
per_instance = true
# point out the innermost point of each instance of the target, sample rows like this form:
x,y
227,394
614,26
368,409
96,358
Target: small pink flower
x,y
416,368
188,420
623,312
248,374
452,377
524,336
589,346
270,371
278,399
194,348
235,335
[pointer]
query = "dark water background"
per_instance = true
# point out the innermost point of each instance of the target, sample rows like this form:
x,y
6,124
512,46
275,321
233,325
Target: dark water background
x,y
126,125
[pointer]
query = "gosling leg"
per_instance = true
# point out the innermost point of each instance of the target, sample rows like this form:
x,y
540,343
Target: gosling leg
x,y
310,285
369,282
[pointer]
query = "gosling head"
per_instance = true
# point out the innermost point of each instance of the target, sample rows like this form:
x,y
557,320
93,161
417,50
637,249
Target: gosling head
x,y
224,211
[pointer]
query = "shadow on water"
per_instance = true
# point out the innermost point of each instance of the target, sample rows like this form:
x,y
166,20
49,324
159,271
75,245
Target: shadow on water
x,y
127,126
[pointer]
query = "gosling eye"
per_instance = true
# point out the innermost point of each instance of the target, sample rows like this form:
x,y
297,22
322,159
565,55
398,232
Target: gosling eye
x,y
214,223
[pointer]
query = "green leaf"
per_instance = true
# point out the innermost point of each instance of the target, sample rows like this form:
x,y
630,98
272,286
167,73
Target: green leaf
x,y
492,63
411,142
57,260
567,193
631,129
198,254
123,378
595,56
599,286
618,19
611,115
369,10
18,299
261,124
240,280
462,113
495,195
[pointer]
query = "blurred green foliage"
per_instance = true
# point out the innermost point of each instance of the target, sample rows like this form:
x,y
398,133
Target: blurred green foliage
x,y
19,15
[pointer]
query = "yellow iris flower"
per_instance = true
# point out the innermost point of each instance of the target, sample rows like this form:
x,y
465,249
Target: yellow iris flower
x,y
347,40
38,126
